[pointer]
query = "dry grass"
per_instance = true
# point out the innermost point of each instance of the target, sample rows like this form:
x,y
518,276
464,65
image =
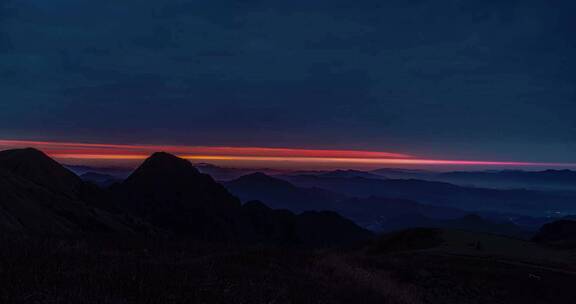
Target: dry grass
x,y
168,271
72,271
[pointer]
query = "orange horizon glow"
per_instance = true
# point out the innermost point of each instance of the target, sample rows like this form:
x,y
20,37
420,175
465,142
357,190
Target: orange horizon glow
x,y
374,161
57,148
254,155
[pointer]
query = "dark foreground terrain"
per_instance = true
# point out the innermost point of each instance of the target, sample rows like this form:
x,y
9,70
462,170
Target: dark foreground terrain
x,y
413,266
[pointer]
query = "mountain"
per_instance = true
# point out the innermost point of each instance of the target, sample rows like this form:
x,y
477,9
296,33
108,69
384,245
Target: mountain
x,y
399,173
449,264
517,201
543,180
37,167
227,174
176,181
549,180
279,193
172,194
374,212
164,194
39,196
309,228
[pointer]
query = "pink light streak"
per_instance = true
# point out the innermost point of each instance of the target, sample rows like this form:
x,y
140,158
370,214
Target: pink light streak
x,y
254,155
59,148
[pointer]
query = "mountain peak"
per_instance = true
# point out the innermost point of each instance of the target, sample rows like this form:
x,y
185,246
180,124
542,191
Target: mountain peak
x,y
166,158
28,154
175,180
162,154
35,166
162,165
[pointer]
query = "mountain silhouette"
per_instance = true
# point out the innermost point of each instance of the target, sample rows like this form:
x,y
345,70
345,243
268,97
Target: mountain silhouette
x,y
35,166
172,181
228,174
279,193
368,212
498,179
172,194
544,180
39,196
516,201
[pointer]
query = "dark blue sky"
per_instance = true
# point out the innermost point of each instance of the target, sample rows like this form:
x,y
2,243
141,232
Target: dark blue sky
x,y
478,79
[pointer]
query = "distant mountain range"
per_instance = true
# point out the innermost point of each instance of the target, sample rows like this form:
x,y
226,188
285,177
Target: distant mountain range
x,y
546,180
540,180
516,201
376,213
498,179
229,173
281,194
375,197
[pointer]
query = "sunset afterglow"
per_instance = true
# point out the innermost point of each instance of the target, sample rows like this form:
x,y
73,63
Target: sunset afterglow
x,y
263,156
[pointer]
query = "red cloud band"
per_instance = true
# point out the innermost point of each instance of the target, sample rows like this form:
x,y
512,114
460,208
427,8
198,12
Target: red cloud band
x,y
59,148
90,151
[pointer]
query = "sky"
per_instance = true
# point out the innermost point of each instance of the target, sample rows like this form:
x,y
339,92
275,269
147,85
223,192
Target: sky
x,y
482,80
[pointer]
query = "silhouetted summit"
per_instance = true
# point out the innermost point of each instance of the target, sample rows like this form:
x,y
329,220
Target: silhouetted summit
x,y
166,163
35,166
170,193
39,196
169,180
